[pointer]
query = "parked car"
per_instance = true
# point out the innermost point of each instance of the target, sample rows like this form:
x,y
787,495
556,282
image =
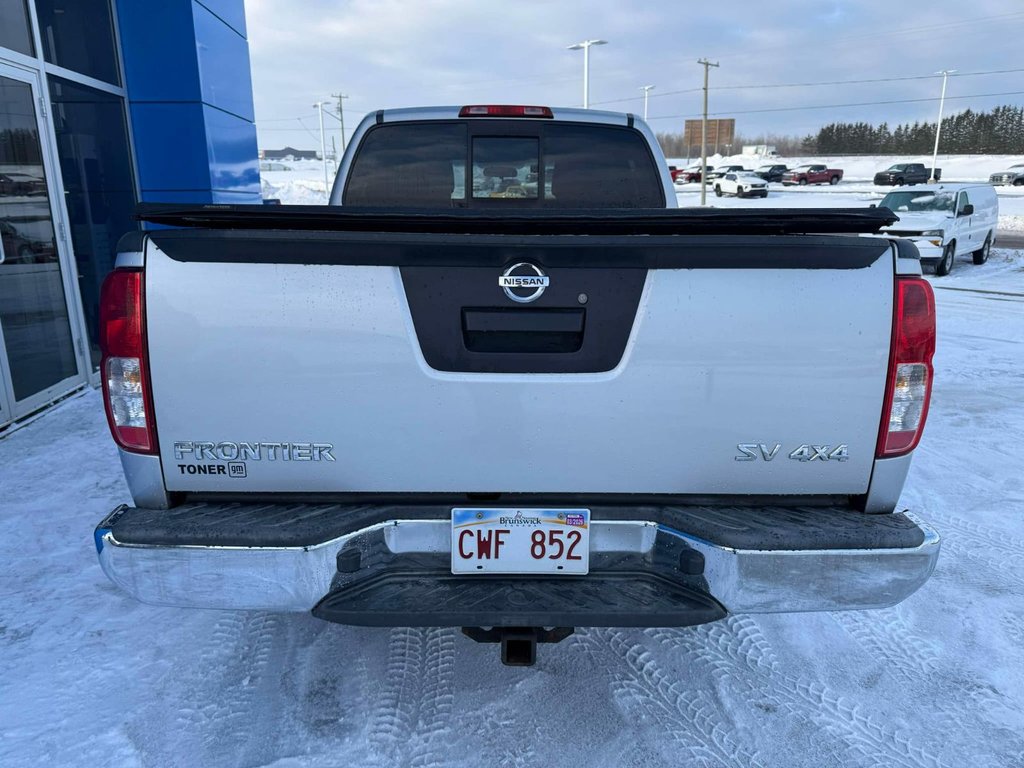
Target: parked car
x,y
813,173
905,173
693,173
721,170
18,247
18,184
945,221
677,174
742,185
497,424
1014,175
771,172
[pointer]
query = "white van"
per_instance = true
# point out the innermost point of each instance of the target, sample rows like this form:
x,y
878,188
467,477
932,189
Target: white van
x,y
946,221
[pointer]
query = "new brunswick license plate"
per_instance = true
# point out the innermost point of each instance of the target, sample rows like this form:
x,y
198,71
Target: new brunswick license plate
x,y
528,541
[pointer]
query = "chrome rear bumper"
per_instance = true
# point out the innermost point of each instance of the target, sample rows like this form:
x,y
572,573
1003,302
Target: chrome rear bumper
x,y
742,580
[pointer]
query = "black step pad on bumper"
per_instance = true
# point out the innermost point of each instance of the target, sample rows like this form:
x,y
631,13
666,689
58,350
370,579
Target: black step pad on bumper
x,y
429,599
284,524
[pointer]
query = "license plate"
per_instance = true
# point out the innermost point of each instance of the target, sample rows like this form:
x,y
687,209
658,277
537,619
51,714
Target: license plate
x,y
547,541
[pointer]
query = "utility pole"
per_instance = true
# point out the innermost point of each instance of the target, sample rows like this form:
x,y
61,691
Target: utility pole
x,y
585,47
319,106
704,135
938,126
645,89
341,116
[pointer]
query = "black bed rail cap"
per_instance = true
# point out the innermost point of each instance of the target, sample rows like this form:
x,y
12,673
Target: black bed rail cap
x,y
618,221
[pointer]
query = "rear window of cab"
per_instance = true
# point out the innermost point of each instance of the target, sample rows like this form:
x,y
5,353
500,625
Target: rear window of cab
x,y
496,163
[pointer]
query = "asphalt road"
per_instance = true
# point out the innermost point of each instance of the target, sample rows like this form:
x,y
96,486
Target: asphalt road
x,y
1007,239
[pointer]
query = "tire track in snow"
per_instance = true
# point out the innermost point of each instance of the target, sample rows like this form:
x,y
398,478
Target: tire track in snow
x,y
741,656
1013,624
227,726
688,716
395,715
412,718
914,662
887,637
991,547
435,712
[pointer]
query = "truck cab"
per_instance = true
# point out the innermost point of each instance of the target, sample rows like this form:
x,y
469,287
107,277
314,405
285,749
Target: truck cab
x,y
518,158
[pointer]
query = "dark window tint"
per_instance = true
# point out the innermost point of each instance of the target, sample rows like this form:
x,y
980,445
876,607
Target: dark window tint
x,y
410,165
79,35
505,167
92,144
584,166
14,28
600,167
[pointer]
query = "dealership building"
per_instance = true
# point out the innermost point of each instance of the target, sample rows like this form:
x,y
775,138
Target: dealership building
x,y
103,104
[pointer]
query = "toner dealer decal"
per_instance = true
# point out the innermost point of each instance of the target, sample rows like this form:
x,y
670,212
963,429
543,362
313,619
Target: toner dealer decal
x,y
197,453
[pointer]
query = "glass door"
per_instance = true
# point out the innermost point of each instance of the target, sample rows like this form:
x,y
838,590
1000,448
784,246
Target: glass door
x,y
37,340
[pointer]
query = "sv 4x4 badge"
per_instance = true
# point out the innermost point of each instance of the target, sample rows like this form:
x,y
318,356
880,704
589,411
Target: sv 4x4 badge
x,y
805,452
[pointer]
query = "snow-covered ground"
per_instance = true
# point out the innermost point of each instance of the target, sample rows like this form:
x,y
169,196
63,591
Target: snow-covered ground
x,y
89,677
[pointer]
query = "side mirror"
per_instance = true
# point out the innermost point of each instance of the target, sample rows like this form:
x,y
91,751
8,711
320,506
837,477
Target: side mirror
x,y
967,210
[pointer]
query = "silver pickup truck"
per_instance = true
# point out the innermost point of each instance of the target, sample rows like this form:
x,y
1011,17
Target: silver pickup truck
x,y
501,383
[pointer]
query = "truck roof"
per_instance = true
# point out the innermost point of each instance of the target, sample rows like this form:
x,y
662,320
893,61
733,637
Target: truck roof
x,y
572,114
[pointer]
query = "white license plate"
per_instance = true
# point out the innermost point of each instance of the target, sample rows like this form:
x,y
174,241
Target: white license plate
x,y
548,541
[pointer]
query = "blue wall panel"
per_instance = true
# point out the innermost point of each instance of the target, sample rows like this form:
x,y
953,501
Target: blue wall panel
x,y
224,75
190,94
171,145
158,50
230,12
231,144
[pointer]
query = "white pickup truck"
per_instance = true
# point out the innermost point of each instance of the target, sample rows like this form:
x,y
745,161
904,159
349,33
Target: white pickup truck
x,y
493,386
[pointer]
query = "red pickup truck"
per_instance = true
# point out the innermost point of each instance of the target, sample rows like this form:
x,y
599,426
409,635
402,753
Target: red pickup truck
x,y
812,174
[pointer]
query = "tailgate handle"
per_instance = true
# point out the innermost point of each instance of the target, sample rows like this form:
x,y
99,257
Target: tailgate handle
x,y
523,330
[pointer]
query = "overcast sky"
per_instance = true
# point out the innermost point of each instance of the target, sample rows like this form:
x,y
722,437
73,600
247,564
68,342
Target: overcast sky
x,y
393,53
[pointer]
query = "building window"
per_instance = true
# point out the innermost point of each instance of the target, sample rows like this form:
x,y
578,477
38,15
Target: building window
x,y
79,35
15,32
33,313
95,162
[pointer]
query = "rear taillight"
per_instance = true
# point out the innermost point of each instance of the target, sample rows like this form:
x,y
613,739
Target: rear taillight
x,y
505,110
124,370
909,386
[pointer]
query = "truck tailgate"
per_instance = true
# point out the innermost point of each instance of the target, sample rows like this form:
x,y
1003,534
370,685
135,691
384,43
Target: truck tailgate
x,y
330,361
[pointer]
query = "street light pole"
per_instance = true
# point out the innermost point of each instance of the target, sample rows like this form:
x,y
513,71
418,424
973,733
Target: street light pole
x,y
704,135
938,126
645,89
585,47
341,116
319,106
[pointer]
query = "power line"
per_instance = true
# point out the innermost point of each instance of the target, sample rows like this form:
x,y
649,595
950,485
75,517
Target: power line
x,y
855,82
653,96
753,86
838,106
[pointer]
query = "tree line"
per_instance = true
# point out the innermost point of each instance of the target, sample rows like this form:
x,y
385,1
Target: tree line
x,y
999,131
